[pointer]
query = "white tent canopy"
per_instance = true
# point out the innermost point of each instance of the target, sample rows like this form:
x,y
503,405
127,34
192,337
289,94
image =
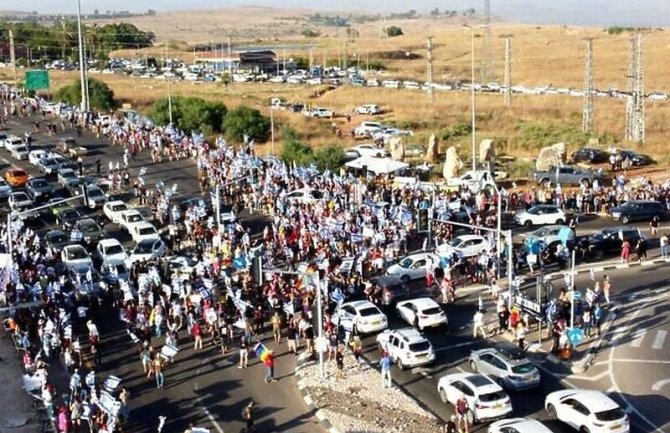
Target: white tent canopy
x,y
377,165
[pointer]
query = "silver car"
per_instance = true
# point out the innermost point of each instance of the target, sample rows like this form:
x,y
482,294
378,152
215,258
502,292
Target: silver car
x,y
507,365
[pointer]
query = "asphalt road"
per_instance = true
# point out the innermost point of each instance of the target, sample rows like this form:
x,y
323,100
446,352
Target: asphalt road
x,y
206,388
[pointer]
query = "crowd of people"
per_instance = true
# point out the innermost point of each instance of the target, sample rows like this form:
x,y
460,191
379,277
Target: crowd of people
x,y
328,231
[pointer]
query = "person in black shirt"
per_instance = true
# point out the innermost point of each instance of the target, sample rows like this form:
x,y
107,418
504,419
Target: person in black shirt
x,y
339,360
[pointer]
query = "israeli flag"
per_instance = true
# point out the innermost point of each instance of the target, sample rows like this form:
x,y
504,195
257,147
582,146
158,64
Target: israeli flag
x,y
143,171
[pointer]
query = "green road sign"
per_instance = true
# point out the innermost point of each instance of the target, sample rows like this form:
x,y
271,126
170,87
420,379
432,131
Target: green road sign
x,y
37,80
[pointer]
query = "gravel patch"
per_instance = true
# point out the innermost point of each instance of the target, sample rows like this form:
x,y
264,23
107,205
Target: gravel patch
x,y
359,404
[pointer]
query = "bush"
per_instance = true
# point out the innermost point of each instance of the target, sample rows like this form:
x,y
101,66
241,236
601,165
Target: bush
x,y
101,97
394,31
246,121
460,129
295,151
190,114
536,135
329,157
309,33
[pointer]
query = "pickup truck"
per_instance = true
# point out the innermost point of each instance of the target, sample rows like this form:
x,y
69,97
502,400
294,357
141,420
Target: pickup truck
x,y
474,181
566,175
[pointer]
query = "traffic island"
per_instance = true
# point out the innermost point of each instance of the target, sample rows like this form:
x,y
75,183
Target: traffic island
x,y
358,402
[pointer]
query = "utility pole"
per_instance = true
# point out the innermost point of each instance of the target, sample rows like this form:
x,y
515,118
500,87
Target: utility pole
x,y
82,64
367,62
311,59
345,64
323,59
167,78
429,71
635,112
507,87
284,58
587,113
230,56
12,54
487,73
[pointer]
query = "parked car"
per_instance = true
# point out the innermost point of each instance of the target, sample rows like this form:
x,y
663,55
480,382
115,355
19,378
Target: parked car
x,y
90,230
635,159
304,195
486,399
366,129
36,155
422,313
38,189
67,177
590,155
406,347
110,250
368,150
57,239
368,109
20,152
320,112
16,177
144,230
5,189
587,411
147,249
608,241
19,200
566,175
507,365
48,166
638,210
539,215
130,218
114,209
464,246
68,217
76,256
12,141
362,316
518,425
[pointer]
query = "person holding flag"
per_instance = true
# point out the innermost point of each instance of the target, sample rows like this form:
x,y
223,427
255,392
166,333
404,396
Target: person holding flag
x,y
267,357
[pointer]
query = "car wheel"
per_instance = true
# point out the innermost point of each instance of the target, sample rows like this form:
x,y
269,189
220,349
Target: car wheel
x,y
551,412
625,219
528,223
400,364
443,395
560,222
378,155
473,366
471,418
405,278
584,429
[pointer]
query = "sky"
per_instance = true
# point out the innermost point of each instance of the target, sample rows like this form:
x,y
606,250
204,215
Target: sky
x,y
655,13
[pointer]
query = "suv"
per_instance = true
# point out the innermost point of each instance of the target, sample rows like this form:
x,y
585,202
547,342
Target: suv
x,y
609,240
486,399
638,210
406,347
507,365
539,215
391,288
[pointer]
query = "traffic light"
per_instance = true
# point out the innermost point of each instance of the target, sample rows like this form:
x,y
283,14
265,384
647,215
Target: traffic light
x,y
422,224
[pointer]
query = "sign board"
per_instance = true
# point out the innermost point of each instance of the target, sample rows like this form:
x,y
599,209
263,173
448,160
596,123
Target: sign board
x,y
37,79
575,336
528,305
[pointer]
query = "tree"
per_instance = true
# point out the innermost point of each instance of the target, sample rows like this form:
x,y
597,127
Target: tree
x,y
329,157
394,31
435,12
309,33
189,114
151,12
101,97
293,150
247,121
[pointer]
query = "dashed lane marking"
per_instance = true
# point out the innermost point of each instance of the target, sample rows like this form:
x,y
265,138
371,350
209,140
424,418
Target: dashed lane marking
x,y
637,338
659,339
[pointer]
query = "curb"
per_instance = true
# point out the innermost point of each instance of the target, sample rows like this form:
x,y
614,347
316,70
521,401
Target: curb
x,y
309,401
607,267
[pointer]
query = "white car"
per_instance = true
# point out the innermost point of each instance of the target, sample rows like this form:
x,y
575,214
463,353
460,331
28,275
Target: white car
x,y
141,231
20,152
96,196
129,218
587,411
304,195
366,129
518,425
406,347
110,250
76,256
539,215
147,249
369,109
422,313
412,267
322,113
48,166
465,246
364,316
368,150
19,200
12,141
36,155
114,209
486,399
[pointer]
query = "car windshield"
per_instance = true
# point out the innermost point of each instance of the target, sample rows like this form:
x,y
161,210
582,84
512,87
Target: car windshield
x,y
113,249
493,396
406,263
432,310
39,183
144,247
368,311
147,231
455,242
76,254
419,347
119,207
57,237
89,227
523,368
610,415
67,174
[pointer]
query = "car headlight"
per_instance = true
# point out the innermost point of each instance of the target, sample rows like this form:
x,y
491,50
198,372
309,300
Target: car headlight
x,y
616,214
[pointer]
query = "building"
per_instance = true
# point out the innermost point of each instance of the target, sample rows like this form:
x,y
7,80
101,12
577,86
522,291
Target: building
x,y
258,60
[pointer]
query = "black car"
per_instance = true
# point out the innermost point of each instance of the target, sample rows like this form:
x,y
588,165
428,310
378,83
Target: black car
x,y
590,155
90,230
608,241
57,239
67,218
638,210
39,189
635,159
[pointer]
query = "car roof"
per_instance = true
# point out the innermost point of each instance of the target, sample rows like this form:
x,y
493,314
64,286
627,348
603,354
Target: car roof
x,y
481,382
360,304
421,302
109,242
410,335
596,401
144,224
115,203
468,237
74,247
528,424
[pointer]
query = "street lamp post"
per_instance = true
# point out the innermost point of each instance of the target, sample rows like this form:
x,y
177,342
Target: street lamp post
x,y
472,95
82,65
272,128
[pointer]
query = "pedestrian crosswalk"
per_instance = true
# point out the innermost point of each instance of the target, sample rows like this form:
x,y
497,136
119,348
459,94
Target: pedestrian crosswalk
x,y
656,339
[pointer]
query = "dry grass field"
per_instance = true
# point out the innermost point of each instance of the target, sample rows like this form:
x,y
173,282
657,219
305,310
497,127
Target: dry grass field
x,y
542,55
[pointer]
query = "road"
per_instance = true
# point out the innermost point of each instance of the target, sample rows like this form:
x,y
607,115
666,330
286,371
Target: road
x,y
206,388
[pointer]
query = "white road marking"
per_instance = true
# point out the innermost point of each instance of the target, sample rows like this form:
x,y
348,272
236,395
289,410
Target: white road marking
x,y
660,384
641,361
216,425
659,339
638,337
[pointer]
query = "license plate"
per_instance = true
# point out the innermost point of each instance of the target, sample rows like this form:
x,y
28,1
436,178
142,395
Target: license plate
x,y
615,427
498,406
376,322
421,356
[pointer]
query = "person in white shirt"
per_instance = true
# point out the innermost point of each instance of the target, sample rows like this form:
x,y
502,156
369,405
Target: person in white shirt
x,y
478,324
